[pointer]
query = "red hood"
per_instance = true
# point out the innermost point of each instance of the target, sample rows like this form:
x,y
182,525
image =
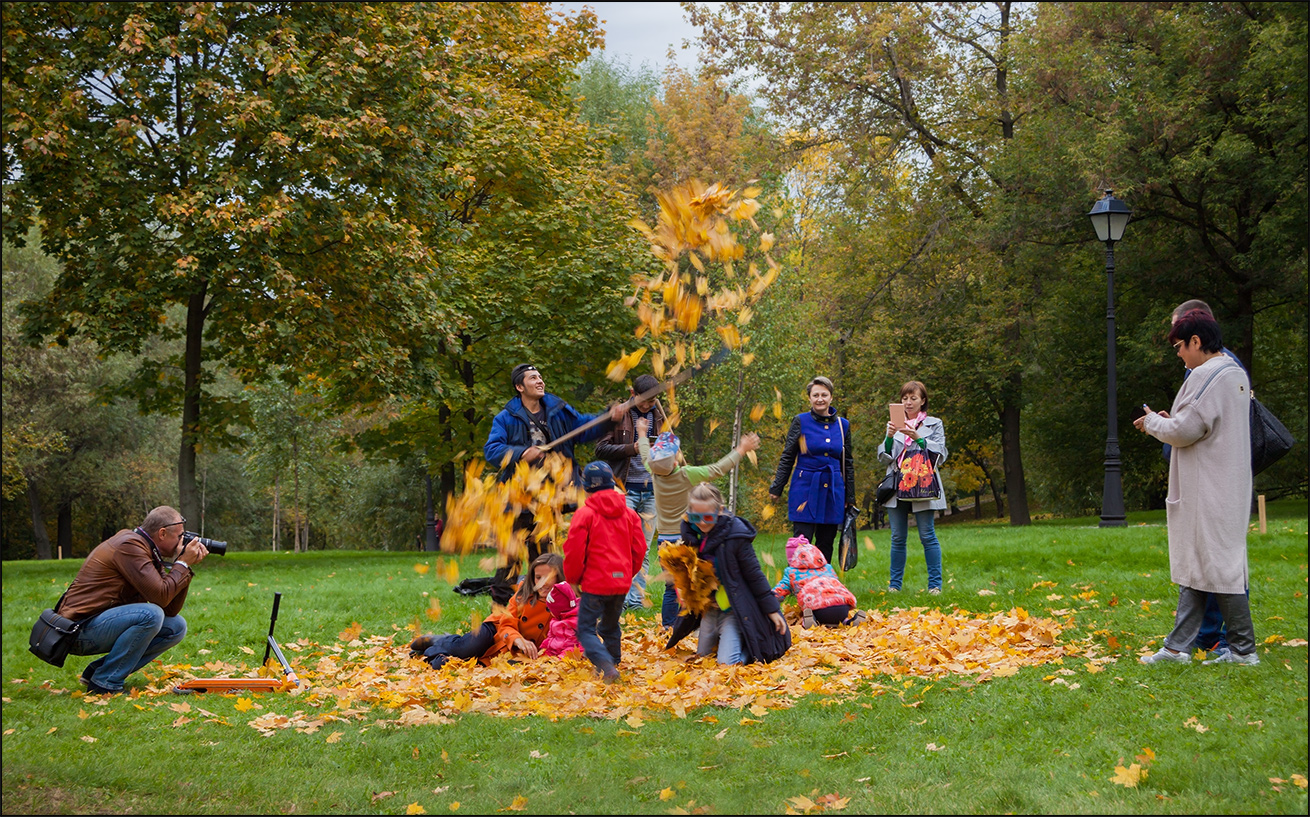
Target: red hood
x,y
607,502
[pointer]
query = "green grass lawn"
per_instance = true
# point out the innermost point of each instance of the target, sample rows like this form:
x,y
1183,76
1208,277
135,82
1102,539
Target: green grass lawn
x,y
1030,743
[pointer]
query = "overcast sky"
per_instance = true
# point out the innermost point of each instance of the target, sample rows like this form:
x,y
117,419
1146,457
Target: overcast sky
x,y
643,32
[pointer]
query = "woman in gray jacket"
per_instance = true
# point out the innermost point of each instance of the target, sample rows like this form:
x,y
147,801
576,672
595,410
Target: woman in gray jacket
x,y
928,434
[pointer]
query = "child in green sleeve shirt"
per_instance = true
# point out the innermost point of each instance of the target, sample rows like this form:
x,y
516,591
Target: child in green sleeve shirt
x,y
673,480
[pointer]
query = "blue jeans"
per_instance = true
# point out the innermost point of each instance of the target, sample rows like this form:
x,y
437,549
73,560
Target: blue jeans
x,y
720,636
598,620
898,517
642,500
131,636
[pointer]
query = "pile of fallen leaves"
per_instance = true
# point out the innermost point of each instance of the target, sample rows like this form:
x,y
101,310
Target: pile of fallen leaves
x,y
345,681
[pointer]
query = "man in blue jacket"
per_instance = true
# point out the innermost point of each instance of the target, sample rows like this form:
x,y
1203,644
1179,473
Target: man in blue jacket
x,y
528,422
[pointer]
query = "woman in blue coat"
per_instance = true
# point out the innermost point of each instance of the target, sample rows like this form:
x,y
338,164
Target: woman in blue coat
x,y
817,460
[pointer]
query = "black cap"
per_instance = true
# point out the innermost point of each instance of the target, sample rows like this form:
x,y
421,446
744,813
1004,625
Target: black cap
x,y
520,372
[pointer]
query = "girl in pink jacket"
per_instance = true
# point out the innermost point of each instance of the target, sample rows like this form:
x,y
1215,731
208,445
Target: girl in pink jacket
x,y
822,596
562,637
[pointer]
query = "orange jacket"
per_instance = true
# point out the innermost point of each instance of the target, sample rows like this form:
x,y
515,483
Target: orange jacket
x,y
516,621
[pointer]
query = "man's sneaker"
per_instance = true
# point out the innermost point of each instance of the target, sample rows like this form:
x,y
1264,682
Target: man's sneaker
x,y
1230,657
610,676
807,619
1166,656
935,591
92,688
893,589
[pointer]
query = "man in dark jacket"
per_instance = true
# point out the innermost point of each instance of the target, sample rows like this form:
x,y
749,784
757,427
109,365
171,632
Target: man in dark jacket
x,y
128,599
528,422
618,447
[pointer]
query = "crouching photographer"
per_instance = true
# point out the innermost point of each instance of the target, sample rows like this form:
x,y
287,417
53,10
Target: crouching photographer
x,y
126,599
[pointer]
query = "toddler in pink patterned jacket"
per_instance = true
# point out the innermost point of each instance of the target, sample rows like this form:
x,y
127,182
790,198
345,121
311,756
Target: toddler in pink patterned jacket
x,y
822,596
562,637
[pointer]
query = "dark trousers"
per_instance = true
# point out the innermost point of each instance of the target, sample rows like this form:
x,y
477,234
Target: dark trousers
x,y
832,616
598,621
473,644
1235,609
1213,635
821,536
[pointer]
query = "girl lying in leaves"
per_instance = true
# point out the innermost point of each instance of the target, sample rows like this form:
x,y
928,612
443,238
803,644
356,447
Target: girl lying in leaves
x,y
519,628
822,596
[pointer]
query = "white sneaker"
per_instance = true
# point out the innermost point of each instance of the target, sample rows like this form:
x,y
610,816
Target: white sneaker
x,y
1230,657
1166,656
934,591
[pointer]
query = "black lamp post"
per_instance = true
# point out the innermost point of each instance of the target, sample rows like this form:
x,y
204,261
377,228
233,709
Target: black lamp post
x,y
1110,216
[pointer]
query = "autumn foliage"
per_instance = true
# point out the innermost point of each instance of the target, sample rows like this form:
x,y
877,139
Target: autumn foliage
x,y
886,655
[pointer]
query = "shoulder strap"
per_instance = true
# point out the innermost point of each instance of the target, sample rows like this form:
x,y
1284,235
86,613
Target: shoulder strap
x,y
1214,374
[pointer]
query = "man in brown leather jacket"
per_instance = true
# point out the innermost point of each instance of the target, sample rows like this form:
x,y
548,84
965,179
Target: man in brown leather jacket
x,y
129,599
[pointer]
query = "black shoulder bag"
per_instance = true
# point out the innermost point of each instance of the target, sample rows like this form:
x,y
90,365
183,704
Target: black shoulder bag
x,y
53,635
848,552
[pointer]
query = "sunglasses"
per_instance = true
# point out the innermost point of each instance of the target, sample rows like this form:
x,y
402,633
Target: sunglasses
x,y
697,518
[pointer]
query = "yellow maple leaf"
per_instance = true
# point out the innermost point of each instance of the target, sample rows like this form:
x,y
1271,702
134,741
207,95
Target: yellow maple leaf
x,y
434,609
1299,780
351,633
245,704
454,806
415,808
518,804
422,568
1128,777
334,737
766,512
667,794
756,413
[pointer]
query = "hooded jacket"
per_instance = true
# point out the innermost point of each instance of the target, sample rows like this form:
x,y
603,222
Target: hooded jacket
x,y
562,636
812,580
729,545
510,432
605,547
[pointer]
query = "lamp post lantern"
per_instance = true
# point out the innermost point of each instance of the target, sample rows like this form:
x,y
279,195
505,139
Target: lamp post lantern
x,y
1109,216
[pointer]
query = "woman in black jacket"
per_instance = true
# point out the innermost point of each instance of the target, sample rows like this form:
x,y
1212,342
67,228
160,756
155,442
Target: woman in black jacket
x,y
744,623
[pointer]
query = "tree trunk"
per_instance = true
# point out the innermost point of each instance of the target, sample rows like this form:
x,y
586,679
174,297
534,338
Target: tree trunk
x,y
1012,458
430,523
736,438
40,536
64,528
277,512
188,495
295,510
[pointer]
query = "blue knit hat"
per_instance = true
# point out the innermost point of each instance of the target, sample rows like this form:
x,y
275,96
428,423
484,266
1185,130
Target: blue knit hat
x,y
597,476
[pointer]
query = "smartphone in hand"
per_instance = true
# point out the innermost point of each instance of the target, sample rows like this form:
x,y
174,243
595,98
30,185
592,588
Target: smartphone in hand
x,y
896,412
1137,413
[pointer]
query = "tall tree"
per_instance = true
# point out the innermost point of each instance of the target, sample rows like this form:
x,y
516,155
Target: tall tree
x,y
926,86
279,169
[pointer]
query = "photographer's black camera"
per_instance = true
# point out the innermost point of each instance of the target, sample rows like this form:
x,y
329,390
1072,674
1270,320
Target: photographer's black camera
x,y
215,548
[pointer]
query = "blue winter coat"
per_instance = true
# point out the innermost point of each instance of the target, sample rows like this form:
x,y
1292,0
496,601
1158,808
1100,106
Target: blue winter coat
x,y
510,432
822,462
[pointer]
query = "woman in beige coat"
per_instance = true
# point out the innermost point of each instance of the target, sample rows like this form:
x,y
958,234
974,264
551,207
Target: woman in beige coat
x,y
1208,506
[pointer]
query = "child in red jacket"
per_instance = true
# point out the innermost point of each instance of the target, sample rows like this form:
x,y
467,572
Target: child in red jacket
x,y
604,550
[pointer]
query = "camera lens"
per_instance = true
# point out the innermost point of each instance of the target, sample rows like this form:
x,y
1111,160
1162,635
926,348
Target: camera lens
x,y
214,546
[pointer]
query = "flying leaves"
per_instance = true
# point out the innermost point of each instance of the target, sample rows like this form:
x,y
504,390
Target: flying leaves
x,y
696,237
